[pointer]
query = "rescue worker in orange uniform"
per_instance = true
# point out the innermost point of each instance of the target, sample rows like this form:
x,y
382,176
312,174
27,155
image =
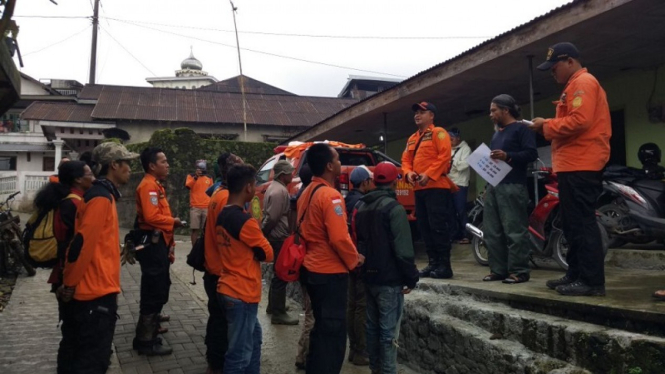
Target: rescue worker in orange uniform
x,y
426,163
216,339
242,248
330,256
155,226
91,281
197,184
580,135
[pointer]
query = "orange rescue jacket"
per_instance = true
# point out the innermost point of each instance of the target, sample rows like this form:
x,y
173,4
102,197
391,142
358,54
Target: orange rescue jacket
x,y
197,190
153,208
330,249
242,247
580,133
92,263
432,158
213,259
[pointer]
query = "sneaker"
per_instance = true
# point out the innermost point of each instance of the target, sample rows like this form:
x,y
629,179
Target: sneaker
x,y
554,283
579,288
283,319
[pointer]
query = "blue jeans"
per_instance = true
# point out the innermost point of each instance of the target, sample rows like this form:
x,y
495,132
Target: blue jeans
x,y
384,314
459,203
245,337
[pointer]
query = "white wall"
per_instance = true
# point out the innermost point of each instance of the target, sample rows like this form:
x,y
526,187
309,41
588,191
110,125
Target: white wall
x,y
187,83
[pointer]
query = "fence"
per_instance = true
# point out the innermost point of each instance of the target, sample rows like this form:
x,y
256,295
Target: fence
x,y
8,184
34,183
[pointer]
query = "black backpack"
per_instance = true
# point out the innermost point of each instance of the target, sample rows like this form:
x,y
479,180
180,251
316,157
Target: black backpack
x,y
196,257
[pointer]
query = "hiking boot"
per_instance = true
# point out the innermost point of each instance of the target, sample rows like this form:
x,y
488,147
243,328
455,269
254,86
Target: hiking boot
x,y
442,272
153,349
427,270
579,288
162,330
360,359
146,341
283,319
554,283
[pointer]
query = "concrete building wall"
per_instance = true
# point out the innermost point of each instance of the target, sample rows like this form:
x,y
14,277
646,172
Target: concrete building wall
x,y
184,83
630,92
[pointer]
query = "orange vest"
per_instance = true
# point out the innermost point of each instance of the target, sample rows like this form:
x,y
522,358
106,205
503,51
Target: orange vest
x,y
580,133
330,249
213,259
153,208
197,190
432,158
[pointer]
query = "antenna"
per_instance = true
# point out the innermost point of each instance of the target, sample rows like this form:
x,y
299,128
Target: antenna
x,y
234,9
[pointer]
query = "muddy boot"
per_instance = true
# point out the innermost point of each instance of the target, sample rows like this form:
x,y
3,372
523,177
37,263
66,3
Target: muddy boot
x,y
277,299
427,270
146,341
163,317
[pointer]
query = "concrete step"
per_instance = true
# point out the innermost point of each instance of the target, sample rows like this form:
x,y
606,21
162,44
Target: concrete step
x,y
459,327
433,341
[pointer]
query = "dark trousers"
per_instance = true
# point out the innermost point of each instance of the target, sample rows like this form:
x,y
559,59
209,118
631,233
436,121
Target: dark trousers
x,y
217,329
155,277
356,313
277,293
327,346
432,208
459,208
578,192
87,333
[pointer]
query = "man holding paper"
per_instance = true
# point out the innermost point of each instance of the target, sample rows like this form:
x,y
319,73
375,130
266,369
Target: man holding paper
x,y
505,217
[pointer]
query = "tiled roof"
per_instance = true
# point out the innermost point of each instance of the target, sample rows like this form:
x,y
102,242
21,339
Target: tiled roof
x,y
232,85
177,105
58,111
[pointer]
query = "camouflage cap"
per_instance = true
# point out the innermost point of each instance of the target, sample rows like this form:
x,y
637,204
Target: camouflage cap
x,y
107,152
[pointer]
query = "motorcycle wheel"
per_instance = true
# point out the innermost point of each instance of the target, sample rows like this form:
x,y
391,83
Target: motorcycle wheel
x,y
561,245
613,211
479,250
18,255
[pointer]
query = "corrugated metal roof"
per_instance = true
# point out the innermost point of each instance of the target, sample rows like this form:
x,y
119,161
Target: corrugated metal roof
x,y
58,111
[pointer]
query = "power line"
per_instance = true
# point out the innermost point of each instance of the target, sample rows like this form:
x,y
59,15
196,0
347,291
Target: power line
x,y
58,17
126,50
375,37
56,43
267,53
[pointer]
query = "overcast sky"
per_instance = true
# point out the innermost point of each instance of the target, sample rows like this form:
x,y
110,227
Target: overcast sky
x,y
148,38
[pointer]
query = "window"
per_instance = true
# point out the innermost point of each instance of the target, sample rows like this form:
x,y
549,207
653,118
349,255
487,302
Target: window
x,y
264,174
7,163
48,164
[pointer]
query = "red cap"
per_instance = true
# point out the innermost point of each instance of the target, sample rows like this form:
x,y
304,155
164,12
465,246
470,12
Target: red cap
x,y
385,172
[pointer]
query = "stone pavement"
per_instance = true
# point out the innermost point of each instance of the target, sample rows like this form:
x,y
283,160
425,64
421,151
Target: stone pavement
x,y
29,334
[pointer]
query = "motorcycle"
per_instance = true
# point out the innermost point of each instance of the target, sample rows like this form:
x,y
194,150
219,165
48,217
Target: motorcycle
x,y
545,227
633,207
11,248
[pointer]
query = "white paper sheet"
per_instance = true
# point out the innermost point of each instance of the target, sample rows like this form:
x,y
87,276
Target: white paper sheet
x,y
493,171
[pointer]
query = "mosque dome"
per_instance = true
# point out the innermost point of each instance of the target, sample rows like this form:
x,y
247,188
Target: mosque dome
x,y
191,63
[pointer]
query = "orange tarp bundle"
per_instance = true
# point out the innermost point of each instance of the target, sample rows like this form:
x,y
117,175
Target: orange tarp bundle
x,y
294,151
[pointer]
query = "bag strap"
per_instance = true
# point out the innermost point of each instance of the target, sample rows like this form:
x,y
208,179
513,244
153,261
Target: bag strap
x,y
452,159
302,218
418,145
73,196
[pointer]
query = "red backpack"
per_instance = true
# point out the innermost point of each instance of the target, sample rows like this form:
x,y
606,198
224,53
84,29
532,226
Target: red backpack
x,y
292,254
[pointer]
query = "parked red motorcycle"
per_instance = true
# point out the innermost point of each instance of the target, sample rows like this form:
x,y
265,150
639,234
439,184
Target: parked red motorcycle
x,y
545,228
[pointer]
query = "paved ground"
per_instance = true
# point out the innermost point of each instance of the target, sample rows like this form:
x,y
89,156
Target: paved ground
x,y
29,333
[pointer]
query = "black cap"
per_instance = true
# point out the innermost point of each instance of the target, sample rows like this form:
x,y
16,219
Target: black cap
x,y
559,52
424,105
454,132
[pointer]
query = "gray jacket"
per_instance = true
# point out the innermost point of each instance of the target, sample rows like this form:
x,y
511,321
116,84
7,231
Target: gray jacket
x,y
276,207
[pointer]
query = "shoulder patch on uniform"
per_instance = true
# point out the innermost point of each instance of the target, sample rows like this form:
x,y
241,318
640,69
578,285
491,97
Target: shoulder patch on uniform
x,y
577,102
153,200
338,210
337,201
441,136
152,193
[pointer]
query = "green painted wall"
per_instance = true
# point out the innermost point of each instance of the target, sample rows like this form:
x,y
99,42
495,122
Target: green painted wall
x,y
630,91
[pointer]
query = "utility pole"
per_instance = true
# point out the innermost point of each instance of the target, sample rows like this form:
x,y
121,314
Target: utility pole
x,y
242,77
93,51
